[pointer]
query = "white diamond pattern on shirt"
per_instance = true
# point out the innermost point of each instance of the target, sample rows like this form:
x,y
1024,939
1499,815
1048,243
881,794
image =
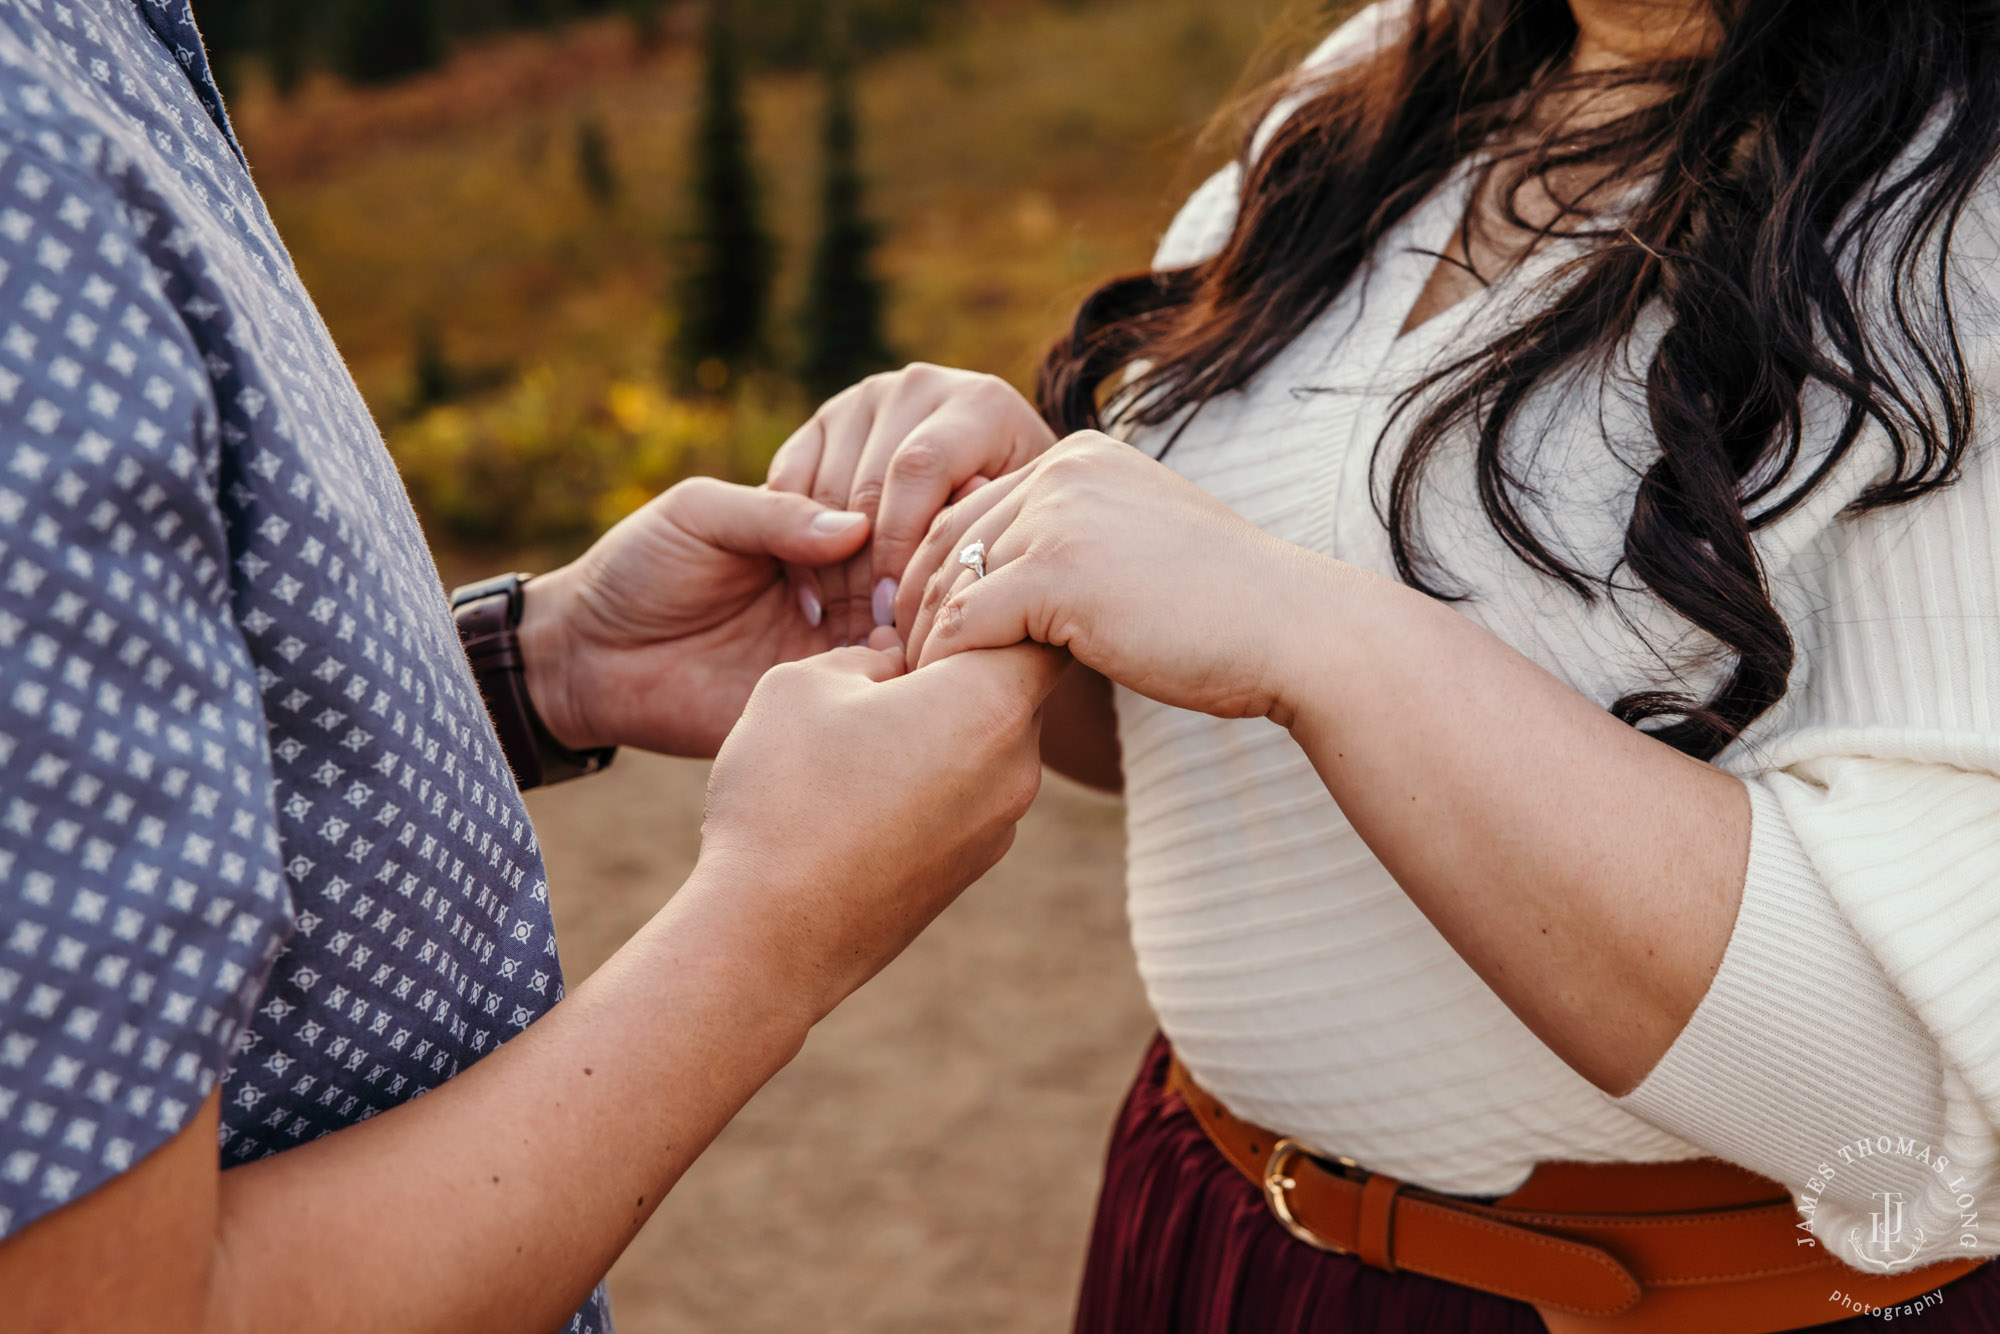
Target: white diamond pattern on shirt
x,y
255,829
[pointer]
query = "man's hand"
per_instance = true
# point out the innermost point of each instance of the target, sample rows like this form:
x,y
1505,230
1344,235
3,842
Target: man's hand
x,y
656,636
849,808
854,802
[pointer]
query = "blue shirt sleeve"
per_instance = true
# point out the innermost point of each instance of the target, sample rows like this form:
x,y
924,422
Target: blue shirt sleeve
x,y
142,895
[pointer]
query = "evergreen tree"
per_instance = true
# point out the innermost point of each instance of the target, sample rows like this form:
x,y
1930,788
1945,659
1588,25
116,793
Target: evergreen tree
x,y
286,34
594,167
843,313
787,32
648,20
228,32
727,282
539,13
433,380
391,39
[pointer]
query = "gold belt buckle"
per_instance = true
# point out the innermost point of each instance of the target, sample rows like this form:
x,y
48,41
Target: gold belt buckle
x,y
1278,1185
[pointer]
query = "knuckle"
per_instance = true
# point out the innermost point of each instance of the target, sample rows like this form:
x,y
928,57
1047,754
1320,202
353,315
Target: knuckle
x,y
890,385
684,497
1056,547
993,390
940,527
1078,455
1083,444
866,495
1024,787
785,679
921,457
1064,466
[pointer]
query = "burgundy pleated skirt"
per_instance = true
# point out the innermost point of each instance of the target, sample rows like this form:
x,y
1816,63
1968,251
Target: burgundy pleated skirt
x,y
1184,1245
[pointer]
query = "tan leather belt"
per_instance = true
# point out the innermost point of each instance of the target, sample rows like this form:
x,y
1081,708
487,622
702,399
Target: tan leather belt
x,y
1598,1248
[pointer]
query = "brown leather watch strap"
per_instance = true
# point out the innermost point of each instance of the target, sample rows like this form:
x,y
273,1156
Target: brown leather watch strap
x,y
488,614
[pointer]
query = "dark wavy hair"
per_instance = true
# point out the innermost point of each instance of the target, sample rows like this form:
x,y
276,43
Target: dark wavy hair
x,y
1817,140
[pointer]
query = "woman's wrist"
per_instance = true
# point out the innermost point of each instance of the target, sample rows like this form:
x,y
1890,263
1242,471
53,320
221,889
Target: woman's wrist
x,y
1316,630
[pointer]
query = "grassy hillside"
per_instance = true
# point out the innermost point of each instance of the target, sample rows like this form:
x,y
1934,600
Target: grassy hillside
x,y
1019,155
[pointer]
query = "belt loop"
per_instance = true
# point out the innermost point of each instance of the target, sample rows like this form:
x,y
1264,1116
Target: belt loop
x,y
1377,1224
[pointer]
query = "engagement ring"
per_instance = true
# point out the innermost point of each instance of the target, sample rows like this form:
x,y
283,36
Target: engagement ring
x,y
973,558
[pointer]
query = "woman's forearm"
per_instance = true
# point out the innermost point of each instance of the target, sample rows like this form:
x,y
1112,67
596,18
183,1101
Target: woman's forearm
x,y
1080,731
1589,874
496,1201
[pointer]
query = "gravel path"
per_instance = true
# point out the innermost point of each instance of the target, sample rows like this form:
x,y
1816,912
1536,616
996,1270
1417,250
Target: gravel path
x,y
930,1161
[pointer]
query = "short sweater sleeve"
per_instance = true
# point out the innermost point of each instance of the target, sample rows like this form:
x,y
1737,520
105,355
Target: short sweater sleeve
x,y
1848,1045
141,892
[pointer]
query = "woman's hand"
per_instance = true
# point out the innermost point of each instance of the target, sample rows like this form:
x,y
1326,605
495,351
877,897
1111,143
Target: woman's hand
x,y
1140,574
1588,872
657,634
897,447
852,804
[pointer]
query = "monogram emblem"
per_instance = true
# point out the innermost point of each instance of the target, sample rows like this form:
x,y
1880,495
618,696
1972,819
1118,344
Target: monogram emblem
x,y
1889,1245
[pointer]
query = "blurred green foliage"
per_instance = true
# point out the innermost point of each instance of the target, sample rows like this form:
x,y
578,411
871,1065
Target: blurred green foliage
x,y
555,459
379,41
507,326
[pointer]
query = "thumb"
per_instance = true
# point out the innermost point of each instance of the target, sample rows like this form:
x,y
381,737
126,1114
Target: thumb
x,y
877,665
753,521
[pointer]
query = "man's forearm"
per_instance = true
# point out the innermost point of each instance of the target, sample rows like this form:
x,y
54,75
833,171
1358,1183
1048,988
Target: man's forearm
x,y
495,1202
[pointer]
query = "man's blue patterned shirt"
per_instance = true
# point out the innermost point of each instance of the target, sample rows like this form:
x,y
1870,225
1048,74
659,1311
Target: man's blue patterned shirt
x,y
255,830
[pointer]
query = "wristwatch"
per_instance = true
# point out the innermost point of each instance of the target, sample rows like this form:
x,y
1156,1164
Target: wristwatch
x,y
489,620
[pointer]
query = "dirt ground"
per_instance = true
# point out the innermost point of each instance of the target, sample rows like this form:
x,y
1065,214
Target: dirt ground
x,y
931,1160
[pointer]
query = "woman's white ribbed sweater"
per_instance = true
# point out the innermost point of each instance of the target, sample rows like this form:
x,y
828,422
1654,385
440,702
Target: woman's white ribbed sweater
x,y
1860,994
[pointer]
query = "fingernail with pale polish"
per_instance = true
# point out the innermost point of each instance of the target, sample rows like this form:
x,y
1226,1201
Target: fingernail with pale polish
x,y
832,523
885,602
809,604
